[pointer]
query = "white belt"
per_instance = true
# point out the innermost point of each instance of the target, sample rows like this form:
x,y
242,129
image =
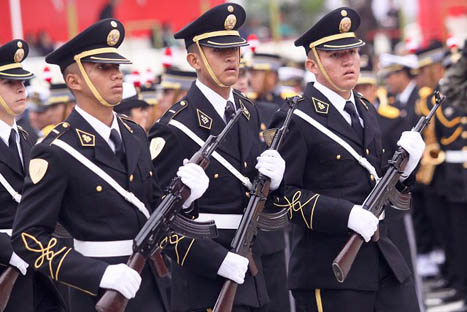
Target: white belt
x,y
457,157
223,221
104,249
6,231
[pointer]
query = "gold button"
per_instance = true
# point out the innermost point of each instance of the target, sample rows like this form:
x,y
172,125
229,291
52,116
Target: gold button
x,y
99,188
247,194
245,164
150,173
384,150
183,103
367,151
131,178
65,125
464,135
372,178
216,175
338,157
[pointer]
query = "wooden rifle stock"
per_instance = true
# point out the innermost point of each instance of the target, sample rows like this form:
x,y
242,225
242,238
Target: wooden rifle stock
x,y
226,298
7,281
112,300
344,260
159,264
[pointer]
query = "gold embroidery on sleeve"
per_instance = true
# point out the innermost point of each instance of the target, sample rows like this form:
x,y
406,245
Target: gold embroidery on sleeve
x,y
295,205
46,254
174,239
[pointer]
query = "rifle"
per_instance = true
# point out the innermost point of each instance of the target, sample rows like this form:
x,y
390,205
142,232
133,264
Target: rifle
x,y
383,193
7,281
254,217
165,219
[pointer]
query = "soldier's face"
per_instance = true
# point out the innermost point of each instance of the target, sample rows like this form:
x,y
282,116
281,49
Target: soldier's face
x,y
343,68
108,80
13,93
224,63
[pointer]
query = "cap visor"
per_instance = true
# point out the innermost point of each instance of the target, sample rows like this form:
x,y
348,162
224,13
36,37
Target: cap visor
x,y
224,42
110,58
16,74
341,44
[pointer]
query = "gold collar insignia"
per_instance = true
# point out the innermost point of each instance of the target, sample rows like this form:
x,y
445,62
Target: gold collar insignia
x,y
245,111
204,120
86,139
320,106
364,104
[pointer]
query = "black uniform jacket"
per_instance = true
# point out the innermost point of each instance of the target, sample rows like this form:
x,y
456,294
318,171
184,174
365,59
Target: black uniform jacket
x,y
22,296
451,132
323,182
63,190
195,283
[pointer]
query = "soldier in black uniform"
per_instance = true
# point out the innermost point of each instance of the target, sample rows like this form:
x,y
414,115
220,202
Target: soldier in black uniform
x,y
201,266
93,174
451,132
32,291
325,184
264,78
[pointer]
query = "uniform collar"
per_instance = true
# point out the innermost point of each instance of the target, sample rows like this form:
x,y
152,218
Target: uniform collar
x,y
101,128
217,101
5,130
336,100
404,96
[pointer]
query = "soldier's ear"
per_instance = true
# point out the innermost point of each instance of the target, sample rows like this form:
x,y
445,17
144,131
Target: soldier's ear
x,y
311,65
72,78
194,60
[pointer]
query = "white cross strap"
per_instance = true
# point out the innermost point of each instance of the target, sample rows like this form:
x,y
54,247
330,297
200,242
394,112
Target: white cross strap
x,y
16,196
245,181
129,196
360,159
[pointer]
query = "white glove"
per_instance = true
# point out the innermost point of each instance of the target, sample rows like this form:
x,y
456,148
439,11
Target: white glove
x,y
18,263
234,267
362,222
412,142
194,177
121,278
271,164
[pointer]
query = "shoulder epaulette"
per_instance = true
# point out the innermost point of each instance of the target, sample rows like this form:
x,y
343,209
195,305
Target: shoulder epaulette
x,y
23,132
440,114
421,107
174,110
56,132
388,111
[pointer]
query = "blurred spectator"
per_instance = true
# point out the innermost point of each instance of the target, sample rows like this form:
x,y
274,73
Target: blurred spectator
x,y
45,45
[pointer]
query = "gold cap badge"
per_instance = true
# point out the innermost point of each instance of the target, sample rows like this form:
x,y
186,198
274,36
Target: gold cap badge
x,y
19,55
345,24
112,37
230,22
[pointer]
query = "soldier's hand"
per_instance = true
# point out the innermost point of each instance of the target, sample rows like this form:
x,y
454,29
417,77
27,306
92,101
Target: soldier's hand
x,y
121,278
412,142
271,164
234,267
18,263
362,222
194,177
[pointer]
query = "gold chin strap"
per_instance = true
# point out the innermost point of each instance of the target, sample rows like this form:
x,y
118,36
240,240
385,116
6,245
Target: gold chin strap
x,y
88,81
6,107
321,68
210,71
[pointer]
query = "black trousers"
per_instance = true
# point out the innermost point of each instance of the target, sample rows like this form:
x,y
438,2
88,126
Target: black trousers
x,y
390,297
458,218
